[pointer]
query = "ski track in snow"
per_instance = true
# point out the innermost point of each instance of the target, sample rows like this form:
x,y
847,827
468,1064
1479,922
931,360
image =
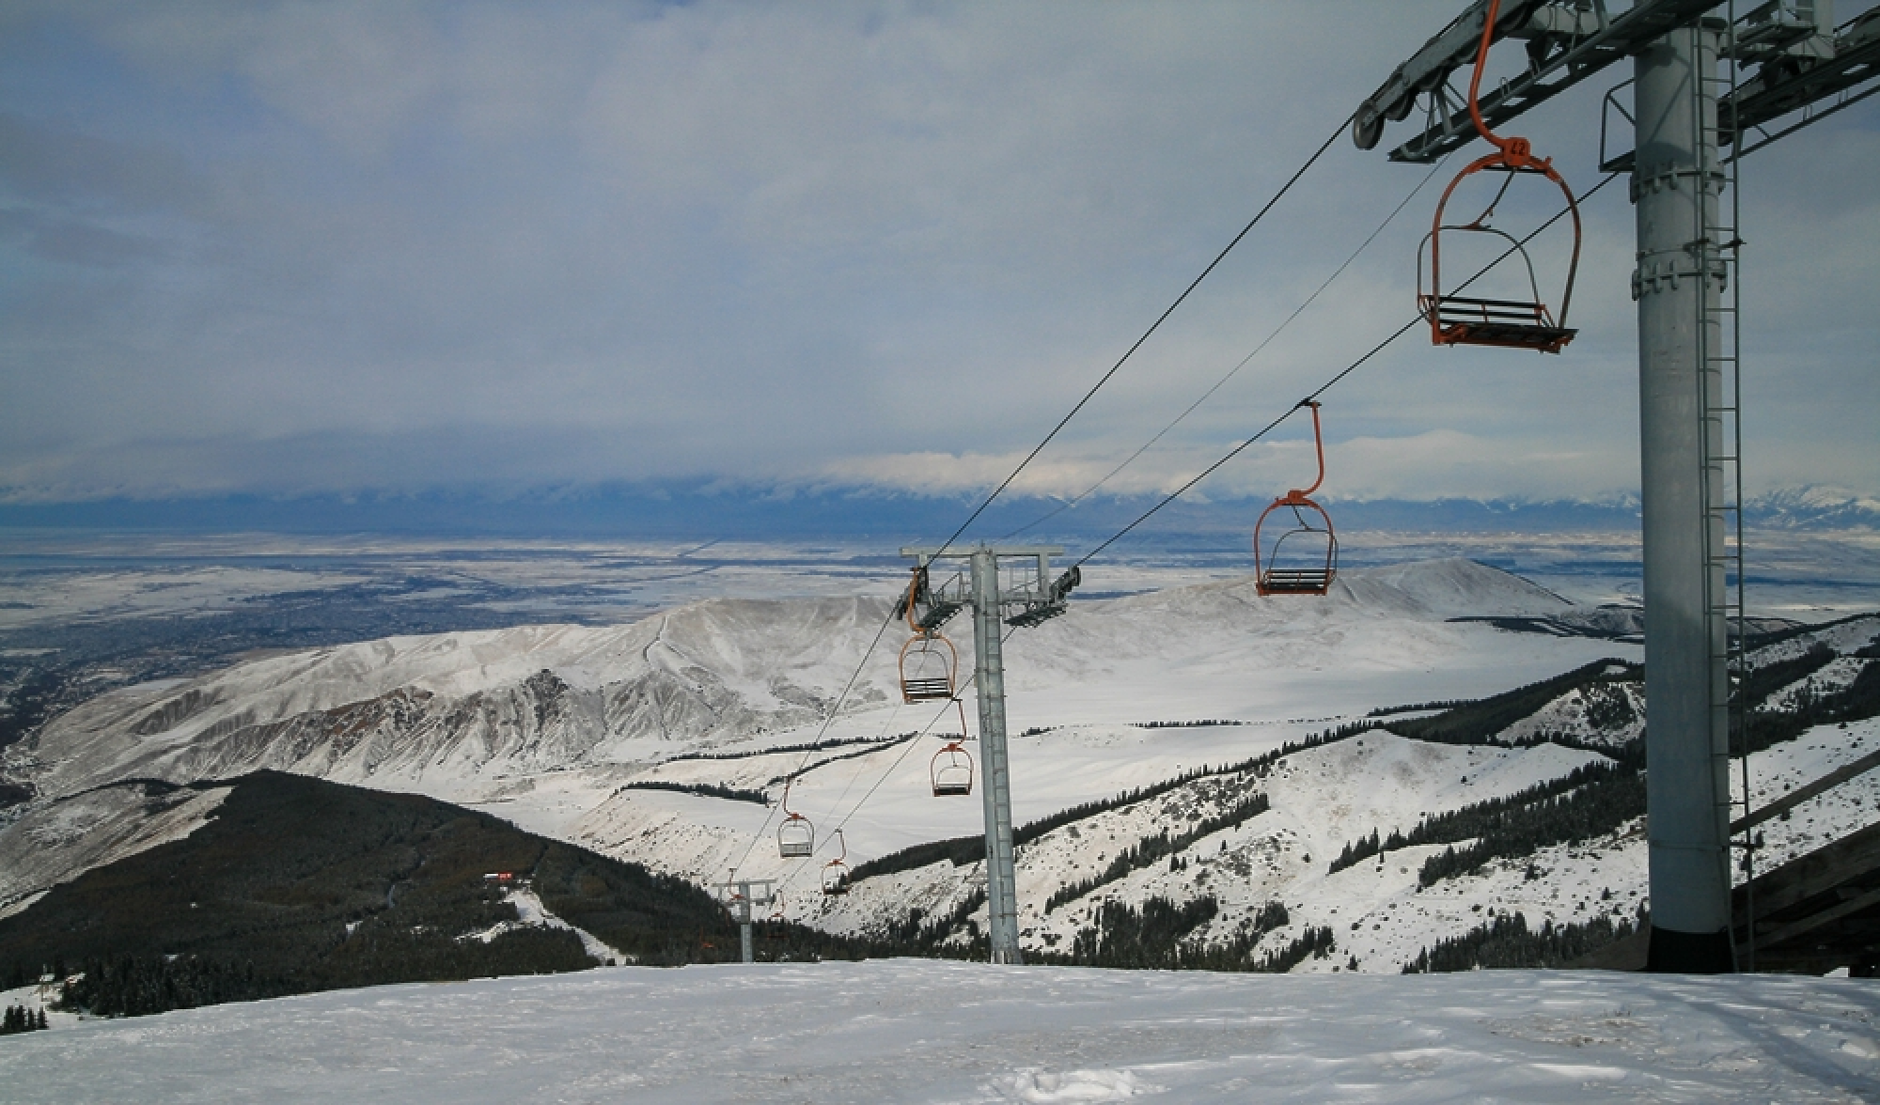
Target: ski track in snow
x,y
925,1031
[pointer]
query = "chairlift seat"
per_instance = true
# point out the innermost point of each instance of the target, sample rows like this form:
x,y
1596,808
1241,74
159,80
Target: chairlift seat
x,y
1513,324
1295,581
926,689
1280,568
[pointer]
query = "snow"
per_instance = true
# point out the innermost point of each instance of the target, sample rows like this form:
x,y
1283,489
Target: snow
x,y
1787,766
52,842
530,912
467,717
923,1031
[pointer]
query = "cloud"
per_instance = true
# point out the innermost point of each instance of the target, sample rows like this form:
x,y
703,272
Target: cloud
x,y
325,246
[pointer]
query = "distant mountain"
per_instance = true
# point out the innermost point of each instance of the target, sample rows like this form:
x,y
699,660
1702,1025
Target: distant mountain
x,y
1827,508
715,510
453,711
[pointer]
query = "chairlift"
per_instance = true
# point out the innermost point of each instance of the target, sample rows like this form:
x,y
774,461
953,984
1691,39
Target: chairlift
x,y
928,660
835,875
1519,323
796,837
1302,560
952,771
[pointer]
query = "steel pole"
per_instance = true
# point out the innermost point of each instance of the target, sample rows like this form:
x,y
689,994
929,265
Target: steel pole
x,y
1675,184
996,778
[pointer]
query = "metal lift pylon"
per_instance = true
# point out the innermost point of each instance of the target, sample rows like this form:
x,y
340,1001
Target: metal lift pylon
x,y
1688,369
1034,597
738,896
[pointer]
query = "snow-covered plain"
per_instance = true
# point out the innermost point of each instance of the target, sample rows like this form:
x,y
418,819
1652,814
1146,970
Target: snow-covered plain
x,y
923,1031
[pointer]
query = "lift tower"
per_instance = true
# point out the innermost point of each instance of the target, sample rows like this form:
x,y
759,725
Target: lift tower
x,y
1681,117
1024,588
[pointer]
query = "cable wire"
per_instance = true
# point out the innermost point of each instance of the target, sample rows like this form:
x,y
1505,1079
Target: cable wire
x,y
1329,384
1244,361
1261,214
828,719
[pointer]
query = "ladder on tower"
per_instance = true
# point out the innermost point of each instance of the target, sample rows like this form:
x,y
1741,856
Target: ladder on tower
x,y
1719,328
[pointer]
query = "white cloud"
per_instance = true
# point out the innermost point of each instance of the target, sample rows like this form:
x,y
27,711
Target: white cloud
x,y
881,242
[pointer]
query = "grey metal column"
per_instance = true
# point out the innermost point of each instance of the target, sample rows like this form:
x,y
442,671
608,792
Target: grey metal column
x,y
1675,182
995,789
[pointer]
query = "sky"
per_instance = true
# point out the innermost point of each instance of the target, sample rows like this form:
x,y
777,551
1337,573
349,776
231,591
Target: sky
x,y
289,249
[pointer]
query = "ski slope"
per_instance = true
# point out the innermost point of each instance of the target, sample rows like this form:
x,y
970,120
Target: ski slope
x,y
926,1031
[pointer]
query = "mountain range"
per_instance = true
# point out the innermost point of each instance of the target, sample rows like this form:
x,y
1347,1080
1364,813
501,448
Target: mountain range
x,y
1370,781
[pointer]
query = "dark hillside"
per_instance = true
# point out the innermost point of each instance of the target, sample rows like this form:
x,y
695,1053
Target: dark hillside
x,y
1482,721
298,884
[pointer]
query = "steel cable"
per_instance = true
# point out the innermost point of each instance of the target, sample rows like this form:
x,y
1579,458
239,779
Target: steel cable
x,y
1261,214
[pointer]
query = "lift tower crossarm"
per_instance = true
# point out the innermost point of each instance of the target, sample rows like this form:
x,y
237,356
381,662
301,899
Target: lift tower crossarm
x,y
1567,42
1809,68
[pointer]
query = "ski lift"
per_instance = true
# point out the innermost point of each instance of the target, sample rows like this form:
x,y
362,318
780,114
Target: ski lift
x,y
1521,323
835,876
1304,559
952,771
928,660
796,837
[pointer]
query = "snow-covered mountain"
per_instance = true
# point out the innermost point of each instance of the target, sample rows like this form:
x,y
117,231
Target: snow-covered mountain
x,y
637,740
1819,508
449,711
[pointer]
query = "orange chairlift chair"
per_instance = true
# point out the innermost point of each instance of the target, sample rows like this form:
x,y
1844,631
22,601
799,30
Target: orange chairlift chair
x,y
796,837
952,767
929,661
1522,323
1304,559
835,873
952,771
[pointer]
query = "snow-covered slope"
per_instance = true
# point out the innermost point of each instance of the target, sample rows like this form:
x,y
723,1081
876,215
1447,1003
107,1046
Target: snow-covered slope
x,y
561,728
923,1031
447,712
56,840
